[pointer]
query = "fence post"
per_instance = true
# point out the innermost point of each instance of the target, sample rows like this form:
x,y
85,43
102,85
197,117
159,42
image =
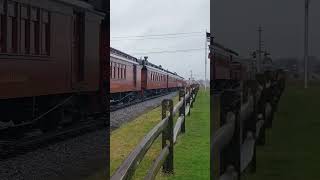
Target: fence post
x,y
192,96
188,101
167,136
252,89
183,110
232,154
261,140
261,79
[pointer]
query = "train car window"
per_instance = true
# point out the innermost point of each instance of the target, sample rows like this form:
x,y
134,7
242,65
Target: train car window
x,y
12,27
121,70
24,30
110,75
77,40
118,65
114,70
34,31
125,72
45,31
3,27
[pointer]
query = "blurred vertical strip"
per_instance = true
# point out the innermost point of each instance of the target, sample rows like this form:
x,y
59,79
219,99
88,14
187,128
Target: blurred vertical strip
x,y
104,6
106,24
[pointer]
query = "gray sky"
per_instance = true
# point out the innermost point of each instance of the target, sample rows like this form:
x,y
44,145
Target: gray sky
x,y
235,24
149,17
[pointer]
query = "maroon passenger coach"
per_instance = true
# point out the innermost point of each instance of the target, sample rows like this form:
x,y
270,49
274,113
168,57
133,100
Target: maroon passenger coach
x,y
50,62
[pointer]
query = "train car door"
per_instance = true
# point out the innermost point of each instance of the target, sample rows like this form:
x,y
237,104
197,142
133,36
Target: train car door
x,y
78,48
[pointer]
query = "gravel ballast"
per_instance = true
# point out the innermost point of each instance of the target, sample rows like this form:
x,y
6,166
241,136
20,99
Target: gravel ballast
x,y
117,118
75,158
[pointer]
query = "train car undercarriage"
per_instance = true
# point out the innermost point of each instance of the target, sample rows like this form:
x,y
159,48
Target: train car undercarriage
x,y
47,113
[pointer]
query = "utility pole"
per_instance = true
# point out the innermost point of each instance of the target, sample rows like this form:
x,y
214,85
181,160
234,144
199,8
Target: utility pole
x,y
306,29
259,51
205,62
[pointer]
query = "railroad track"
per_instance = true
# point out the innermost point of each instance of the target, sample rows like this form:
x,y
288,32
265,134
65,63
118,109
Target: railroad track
x,y
117,107
12,147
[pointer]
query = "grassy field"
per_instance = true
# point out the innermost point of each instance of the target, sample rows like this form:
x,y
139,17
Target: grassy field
x,y
191,153
292,149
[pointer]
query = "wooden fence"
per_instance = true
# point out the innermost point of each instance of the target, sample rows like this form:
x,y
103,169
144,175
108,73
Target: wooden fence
x,y
241,113
169,134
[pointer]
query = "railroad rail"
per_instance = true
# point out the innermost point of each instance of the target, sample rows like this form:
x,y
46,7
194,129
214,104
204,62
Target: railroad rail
x,y
121,106
240,117
169,133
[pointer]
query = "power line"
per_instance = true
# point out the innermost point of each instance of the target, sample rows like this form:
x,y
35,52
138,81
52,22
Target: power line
x,y
150,35
173,51
154,38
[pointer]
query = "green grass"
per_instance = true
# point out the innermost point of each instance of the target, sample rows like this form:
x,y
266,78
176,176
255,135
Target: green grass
x,y
124,139
191,152
293,149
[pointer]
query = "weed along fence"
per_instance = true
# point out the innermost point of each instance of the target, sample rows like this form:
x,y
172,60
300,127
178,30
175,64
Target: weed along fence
x,y
169,133
241,113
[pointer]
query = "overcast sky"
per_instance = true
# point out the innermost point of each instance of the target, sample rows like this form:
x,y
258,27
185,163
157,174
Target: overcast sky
x,y
235,24
154,17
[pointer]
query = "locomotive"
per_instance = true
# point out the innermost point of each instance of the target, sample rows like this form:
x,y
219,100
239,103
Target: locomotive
x,y
51,59
132,78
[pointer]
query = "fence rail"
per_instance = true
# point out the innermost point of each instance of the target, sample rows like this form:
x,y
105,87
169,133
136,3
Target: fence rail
x,y
240,118
169,134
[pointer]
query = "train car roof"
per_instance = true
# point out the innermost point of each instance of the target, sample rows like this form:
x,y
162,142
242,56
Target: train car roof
x,y
147,63
175,74
123,56
89,5
217,45
158,67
